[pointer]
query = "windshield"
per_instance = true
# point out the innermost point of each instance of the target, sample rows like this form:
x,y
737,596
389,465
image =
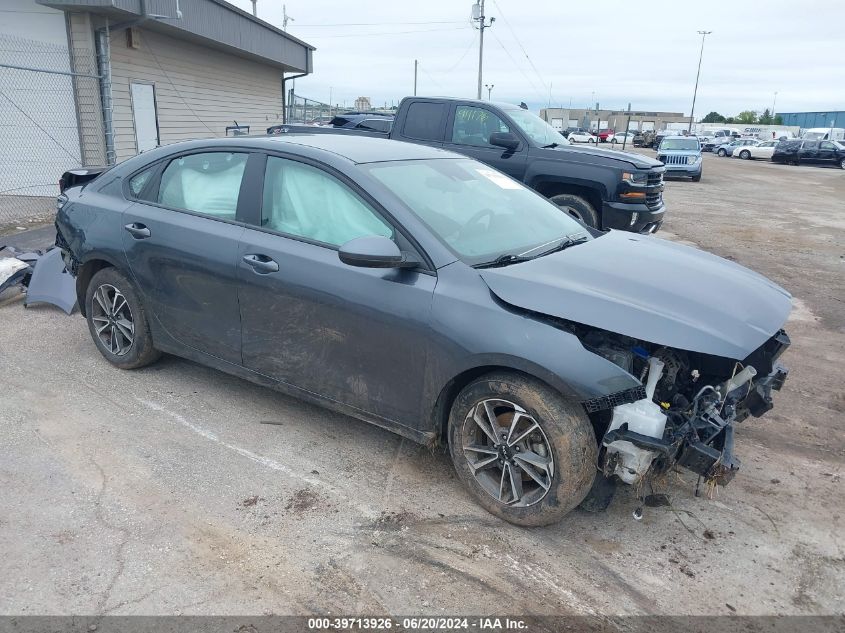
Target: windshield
x,y
814,136
478,212
535,128
679,143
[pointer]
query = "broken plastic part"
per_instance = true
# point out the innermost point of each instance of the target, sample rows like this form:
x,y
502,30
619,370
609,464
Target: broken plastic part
x,y
51,283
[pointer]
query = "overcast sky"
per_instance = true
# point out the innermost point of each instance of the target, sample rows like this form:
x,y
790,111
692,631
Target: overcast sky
x,y
642,51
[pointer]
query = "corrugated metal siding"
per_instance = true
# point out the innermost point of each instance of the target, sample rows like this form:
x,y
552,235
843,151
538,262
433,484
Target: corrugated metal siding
x,y
199,91
813,119
214,20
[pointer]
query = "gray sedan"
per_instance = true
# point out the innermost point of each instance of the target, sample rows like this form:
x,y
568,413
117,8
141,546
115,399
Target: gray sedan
x,y
434,296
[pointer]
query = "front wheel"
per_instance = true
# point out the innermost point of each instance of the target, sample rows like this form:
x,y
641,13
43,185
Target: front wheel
x,y
721,153
842,163
578,208
527,455
117,321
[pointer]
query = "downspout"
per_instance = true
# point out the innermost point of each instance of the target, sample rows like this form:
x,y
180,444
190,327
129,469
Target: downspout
x,y
103,46
284,95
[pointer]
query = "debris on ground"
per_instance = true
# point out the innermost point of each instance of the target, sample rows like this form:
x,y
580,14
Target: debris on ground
x,y
41,275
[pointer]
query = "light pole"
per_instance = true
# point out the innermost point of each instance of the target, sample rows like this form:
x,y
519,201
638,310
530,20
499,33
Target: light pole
x,y
774,101
489,90
478,16
703,34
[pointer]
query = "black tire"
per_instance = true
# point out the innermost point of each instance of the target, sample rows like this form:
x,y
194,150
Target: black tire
x,y
578,208
696,178
842,163
565,434
745,154
123,346
721,153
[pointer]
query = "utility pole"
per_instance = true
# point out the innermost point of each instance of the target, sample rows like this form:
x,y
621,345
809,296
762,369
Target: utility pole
x,y
627,127
774,101
703,34
478,16
285,17
489,90
255,8
416,66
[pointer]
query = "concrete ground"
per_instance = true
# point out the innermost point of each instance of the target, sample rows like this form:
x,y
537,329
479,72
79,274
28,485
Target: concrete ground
x,y
177,489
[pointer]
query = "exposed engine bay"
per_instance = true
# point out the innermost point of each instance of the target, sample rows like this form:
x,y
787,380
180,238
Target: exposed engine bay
x,y
685,414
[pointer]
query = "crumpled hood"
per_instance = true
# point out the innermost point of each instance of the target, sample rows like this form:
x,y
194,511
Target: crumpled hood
x,y
651,289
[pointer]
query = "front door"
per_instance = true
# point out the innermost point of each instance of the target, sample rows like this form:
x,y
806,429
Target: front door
x,y
181,240
354,335
827,152
469,134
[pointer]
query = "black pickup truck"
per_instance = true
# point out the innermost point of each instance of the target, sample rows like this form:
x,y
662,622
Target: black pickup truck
x,y
601,188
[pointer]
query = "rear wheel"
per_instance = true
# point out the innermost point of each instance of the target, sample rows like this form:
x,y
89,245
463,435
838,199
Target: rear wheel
x,y
842,163
745,154
527,455
117,321
578,208
722,153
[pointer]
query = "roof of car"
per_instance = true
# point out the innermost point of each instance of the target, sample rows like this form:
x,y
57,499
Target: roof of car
x,y
361,149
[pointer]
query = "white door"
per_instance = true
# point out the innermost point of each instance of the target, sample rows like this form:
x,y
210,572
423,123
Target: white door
x,y
144,116
557,124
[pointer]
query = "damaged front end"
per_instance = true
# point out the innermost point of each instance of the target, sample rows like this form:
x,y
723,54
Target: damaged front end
x,y
684,415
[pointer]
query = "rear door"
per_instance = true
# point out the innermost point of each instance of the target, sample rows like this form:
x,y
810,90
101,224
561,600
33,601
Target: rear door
x,y
181,239
809,152
424,123
827,152
357,336
468,133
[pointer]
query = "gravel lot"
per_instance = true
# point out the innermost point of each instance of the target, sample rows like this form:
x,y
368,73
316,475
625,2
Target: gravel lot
x,y
180,490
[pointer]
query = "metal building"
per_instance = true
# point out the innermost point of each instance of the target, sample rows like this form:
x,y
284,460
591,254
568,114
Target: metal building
x,y
806,120
93,82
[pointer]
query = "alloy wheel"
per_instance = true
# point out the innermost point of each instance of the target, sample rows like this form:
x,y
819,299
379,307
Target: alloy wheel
x,y
112,319
507,452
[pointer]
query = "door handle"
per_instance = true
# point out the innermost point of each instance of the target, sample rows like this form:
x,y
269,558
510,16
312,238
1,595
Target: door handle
x,y
138,230
261,264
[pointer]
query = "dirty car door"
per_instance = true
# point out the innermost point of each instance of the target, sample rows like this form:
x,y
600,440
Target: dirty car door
x,y
181,241
354,335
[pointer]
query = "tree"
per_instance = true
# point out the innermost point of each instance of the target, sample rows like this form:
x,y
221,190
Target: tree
x,y
747,116
778,120
713,117
765,118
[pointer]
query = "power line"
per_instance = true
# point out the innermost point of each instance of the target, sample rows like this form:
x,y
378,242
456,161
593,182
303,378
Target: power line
x,y
461,28
517,66
343,24
524,52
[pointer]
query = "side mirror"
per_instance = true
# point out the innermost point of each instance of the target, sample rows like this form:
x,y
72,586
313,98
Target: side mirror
x,y
504,139
374,251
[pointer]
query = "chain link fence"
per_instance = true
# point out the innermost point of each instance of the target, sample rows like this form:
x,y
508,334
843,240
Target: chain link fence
x,y
302,110
41,85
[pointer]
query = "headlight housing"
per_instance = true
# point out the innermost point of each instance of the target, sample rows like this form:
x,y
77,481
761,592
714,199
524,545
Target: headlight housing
x,y
691,160
635,178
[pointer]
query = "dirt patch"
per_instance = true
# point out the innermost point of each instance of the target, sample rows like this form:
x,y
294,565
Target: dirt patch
x,y
303,500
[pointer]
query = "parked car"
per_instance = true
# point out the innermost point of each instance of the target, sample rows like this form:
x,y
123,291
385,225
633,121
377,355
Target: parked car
x,y
795,151
763,149
727,149
644,139
374,122
605,135
423,291
626,137
682,156
581,137
570,130
658,138
600,188
824,134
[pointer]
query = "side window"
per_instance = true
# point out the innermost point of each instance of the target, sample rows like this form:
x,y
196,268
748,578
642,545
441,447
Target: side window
x,y
206,183
304,201
379,125
424,121
139,181
473,126
827,145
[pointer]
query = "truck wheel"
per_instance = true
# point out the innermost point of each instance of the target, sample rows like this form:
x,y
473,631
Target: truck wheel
x,y
578,208
117,321
526,454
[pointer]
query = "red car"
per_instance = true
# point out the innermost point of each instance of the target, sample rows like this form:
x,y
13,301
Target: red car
x,y
604,133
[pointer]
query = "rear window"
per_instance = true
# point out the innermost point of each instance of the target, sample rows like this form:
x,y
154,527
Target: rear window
x,y
424,121
379,125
